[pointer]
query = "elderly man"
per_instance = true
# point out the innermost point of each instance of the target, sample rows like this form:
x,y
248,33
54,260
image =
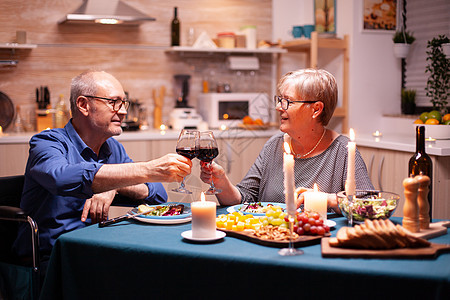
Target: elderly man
x,y
73,173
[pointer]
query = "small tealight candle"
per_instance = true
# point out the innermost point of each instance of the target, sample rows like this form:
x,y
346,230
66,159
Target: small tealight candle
x,y
203,218
316,201
377,134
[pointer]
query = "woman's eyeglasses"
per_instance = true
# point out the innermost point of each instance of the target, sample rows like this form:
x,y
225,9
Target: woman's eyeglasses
x,y
115,103
285,102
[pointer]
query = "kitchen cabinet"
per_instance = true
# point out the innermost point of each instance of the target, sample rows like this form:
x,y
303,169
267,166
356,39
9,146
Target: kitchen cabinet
x,y
311,48
388,168
13,158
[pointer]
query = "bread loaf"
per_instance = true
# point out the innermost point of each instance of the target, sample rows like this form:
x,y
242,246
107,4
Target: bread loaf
x,y
376,234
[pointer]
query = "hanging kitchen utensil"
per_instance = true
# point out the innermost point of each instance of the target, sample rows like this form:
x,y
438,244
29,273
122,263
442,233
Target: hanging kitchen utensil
x,y
6,111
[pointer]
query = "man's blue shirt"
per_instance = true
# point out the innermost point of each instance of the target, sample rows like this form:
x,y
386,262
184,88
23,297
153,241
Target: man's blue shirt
x,y
58,180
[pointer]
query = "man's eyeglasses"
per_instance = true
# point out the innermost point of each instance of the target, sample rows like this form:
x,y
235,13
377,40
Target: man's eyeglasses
x,y
115,103
285,102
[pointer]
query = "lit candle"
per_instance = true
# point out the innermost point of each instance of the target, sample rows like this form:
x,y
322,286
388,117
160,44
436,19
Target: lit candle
x,y
289,181
203,218
377,134
1,131
350,184
316,201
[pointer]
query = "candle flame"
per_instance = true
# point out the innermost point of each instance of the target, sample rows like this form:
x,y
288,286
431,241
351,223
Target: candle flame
x,y
202,197
316,188
287,149
1,130
352,135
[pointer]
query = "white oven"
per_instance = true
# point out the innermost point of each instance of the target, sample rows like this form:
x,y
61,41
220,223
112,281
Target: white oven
x,y
228,109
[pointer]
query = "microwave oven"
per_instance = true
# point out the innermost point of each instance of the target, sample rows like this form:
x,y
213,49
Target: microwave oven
x,y
229,109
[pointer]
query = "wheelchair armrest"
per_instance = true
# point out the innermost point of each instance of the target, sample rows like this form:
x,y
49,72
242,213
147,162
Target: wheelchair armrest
x,y
12,213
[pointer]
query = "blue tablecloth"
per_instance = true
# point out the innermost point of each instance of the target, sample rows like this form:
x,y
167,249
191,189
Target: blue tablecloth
x,y
134,260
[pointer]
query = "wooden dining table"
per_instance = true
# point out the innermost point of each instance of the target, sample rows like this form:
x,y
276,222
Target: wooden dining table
x,y
138,260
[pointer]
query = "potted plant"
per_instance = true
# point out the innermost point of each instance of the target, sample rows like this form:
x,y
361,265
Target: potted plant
x,y
408,97
402,42
438,66
408,101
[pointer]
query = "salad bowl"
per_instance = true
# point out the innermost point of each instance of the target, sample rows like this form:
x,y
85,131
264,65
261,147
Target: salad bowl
x,y
368,204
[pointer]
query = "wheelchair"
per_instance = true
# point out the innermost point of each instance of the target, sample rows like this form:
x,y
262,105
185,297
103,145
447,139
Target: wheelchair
x,y
18,280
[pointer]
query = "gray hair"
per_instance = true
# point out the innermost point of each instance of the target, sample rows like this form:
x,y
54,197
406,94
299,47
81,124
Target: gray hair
x,y
312,84
83,84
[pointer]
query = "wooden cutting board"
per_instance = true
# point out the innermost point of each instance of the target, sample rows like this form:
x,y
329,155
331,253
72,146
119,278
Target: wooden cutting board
x,y
435,230
301,241
429,252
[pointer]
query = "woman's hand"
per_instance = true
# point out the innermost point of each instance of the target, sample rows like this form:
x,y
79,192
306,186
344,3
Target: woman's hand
x,y
331,199
299,197
211,171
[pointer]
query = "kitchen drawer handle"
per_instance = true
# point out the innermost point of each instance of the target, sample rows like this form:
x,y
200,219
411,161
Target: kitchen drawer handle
x,y
371,166
229,157
380,169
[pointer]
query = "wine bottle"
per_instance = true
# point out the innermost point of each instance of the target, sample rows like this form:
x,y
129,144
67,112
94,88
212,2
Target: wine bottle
x,y
420,162
175,28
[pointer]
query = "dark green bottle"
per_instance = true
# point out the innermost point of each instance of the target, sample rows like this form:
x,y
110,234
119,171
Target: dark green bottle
x,y
175,28
420,162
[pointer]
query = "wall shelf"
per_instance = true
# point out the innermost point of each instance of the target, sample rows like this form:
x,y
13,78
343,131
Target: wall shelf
x,y
311,48
272,50
17,46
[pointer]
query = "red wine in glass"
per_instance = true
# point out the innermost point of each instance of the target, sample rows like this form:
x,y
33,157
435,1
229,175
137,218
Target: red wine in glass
x,y
207,154
187,145
190,153
208,150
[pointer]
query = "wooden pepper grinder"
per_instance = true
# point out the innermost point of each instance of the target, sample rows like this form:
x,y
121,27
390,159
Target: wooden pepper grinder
x,y
422,199
411,207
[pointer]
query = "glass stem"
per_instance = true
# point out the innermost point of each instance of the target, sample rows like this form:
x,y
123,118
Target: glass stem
x,y
291,228
182,183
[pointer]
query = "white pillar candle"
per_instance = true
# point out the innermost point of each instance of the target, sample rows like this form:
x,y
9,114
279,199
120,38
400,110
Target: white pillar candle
x,y
203,218
289,180
350,184
316,201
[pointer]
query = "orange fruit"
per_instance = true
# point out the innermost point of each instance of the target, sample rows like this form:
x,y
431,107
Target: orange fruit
x,y
432,122
258,122
247,120
418,121
445,118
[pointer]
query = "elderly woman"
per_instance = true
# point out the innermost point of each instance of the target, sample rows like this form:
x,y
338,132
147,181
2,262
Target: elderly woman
x,y
306,104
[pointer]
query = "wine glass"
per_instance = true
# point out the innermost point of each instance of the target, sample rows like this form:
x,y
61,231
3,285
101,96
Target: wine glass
x,y
208,150
290,251
187,145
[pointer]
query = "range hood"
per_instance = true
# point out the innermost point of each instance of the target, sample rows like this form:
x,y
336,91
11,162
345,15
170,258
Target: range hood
x,y
105,12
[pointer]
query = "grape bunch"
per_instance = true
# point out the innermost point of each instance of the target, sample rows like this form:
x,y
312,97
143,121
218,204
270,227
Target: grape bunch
x,y
309,223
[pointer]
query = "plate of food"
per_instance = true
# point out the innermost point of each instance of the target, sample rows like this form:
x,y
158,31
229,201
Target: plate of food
x,y
255,208
169,213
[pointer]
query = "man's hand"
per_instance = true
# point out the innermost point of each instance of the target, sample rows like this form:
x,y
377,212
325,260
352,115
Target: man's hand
x,y
169,168
98,206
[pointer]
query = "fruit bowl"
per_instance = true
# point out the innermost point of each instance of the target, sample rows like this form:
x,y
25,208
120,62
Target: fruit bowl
x,y
440,132
368,204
